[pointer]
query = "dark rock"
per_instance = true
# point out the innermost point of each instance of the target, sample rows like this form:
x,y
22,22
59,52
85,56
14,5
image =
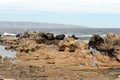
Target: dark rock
x,y
19,35
73,36
97,42
60,37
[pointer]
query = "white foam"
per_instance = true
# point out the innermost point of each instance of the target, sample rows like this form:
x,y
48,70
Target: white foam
x,y
9,34
86,36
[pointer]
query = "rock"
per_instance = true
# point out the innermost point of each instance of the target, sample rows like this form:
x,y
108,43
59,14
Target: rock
x,y
111,44
50,36
113,41
72,48
60,37
51,62
73,36
69,44
0,56
109,39
66,44
97,42
81,44
32,35
117,55
27,45
41,34
98,56
61,46
40,40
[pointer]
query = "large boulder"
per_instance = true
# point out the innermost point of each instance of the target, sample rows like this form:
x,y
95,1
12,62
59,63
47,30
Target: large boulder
x,y
97,42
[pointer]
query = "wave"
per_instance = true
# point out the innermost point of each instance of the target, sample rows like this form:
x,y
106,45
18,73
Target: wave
x,y
103,35
86,36
9,34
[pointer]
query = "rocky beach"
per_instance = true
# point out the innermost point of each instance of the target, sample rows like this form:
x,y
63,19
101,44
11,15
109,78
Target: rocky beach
x,y
46,56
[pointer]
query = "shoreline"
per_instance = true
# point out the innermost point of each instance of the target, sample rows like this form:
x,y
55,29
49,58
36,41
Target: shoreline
x,y
39,49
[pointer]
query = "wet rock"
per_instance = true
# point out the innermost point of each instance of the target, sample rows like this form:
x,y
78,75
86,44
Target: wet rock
x,y
60,37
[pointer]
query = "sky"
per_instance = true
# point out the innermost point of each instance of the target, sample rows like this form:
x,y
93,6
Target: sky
x,y
89,13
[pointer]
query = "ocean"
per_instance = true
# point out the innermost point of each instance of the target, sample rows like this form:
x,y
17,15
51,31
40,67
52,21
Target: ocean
x,y
81,33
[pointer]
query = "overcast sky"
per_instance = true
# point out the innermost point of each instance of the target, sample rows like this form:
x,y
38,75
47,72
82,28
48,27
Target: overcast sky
x,y
90,13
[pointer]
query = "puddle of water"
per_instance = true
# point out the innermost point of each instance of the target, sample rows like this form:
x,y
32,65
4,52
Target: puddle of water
x,y
6,53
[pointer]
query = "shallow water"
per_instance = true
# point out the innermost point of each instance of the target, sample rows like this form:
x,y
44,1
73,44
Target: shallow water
x,y
6,53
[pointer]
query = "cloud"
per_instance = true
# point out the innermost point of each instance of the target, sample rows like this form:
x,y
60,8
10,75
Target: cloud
x,y
74,6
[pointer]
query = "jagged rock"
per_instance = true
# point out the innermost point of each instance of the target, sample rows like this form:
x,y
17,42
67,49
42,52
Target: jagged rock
x,y
69,44
97,42
111,44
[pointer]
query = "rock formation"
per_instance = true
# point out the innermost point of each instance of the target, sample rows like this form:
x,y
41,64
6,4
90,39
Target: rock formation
x,y
111,44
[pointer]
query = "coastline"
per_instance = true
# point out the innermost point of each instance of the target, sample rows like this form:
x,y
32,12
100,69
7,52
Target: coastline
x,y
35,50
